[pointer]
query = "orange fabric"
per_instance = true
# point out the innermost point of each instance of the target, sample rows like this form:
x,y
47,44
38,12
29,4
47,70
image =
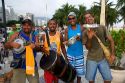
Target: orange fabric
x,y
56,39
30,61
49,78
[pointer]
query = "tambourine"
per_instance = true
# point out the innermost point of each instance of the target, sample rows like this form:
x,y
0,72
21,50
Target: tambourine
x,y
21,48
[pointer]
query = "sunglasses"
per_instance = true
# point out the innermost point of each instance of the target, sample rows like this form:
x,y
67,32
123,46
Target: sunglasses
x,y
71,18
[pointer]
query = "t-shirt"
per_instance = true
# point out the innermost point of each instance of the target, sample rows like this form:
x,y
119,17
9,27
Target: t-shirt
x,y
55,44
96,52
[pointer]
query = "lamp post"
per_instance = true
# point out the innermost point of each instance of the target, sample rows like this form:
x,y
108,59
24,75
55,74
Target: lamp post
x,y
4,18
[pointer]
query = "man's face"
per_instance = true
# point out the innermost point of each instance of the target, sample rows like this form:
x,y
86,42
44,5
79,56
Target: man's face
x,y
52,26
89,19
72,20
27,28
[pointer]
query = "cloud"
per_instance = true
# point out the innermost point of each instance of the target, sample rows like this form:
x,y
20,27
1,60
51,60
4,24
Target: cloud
x,y
38,7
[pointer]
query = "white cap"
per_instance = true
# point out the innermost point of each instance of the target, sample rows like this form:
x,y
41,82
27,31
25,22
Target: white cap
x,y
72,14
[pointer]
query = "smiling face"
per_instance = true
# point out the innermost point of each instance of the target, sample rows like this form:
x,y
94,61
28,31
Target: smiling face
x,y
72,20
52,25
27,28
89,19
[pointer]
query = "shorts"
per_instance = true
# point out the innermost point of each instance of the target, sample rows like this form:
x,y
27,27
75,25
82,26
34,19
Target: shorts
x,y
102,66
49,78
78,63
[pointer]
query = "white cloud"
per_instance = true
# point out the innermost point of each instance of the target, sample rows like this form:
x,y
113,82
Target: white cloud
x,y
38,7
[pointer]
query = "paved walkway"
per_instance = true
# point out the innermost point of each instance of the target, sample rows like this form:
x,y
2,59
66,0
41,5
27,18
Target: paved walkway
x,y
7,68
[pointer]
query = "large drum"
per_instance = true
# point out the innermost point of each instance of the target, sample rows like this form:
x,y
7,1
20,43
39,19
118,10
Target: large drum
x,y
57,65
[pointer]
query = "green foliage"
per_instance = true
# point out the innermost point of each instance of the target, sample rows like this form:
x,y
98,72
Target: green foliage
x,y
10,22
111,13
119,40
1,25
62,13
121,9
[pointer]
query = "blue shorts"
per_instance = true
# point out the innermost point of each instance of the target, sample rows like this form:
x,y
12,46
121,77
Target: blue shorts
x,y
78,63
102,66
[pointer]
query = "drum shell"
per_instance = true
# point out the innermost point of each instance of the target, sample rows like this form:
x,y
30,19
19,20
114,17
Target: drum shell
x,y
63,70
58,66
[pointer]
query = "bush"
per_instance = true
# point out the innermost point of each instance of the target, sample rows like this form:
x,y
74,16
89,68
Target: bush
x,y
119,40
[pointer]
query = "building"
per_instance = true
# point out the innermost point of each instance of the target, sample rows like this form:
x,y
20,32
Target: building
x,y
1,14
10,14
29,16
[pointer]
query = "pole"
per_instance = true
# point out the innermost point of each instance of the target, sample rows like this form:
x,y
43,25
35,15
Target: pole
x,y
102,15
4,19
46,14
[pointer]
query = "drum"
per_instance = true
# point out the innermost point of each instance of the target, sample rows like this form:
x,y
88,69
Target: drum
x,y
63,70
21,49
58,66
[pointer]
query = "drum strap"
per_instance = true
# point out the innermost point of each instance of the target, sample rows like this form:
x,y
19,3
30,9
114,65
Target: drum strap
x,y
47,37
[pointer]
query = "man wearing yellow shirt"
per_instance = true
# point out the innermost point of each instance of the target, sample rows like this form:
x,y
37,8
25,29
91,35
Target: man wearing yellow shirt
x,y
56,45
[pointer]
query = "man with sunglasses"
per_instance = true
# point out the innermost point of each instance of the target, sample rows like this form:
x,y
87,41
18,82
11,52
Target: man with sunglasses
x,y
75,50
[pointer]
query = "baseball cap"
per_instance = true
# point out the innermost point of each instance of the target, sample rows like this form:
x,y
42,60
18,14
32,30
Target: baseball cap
x,y
27,21
72,14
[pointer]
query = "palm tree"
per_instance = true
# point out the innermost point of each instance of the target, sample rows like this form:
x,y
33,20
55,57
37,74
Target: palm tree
x,y
121,9
62,13
96,12
120,3
107,15
81,12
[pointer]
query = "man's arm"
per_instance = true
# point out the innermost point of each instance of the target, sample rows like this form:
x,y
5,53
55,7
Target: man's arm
x,y
109,37
66,37
63,47
10,44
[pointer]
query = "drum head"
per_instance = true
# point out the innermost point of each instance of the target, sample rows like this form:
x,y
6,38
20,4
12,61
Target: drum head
x,y
47,61
19,50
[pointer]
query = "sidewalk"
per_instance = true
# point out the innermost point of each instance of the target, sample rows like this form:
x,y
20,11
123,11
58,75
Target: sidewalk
x,y
41,72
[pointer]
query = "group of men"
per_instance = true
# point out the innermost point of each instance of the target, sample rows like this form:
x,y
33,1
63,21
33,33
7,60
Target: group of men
x,y
74,54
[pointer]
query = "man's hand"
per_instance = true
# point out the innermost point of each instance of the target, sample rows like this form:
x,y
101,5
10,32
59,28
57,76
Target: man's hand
x,y
90,33
112,57
65,42
32,45
15,45
77,37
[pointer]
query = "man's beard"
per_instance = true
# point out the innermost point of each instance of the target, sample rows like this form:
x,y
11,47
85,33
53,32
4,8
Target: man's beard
x,y
27,32
52,30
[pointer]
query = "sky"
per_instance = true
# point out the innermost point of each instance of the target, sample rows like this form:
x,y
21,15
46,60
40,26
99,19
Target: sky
x,y
46,8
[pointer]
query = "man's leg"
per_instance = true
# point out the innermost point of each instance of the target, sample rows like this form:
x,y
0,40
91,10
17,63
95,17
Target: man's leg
x,y
48,77
91,70
105,71
19,76
78,79
33,79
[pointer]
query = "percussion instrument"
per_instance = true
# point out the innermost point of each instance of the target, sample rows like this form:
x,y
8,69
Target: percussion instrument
x,y
58,66
21,48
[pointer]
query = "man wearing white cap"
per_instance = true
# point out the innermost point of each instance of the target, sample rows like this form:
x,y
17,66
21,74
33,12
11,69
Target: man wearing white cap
x,y
75,48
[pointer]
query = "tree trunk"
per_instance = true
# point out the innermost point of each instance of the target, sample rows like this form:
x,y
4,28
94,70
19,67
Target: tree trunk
x,y
124,24
102,15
